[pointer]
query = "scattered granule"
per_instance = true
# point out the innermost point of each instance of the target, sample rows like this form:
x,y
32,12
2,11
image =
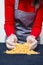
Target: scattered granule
x,y
21,49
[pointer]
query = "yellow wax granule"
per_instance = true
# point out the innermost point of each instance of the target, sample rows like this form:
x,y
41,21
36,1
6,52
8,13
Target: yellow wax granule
x,y
21,49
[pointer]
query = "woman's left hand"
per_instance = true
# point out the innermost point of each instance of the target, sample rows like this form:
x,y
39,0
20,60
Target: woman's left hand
x,y
33,42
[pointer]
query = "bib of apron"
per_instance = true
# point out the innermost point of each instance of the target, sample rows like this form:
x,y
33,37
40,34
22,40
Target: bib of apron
x,y
25,17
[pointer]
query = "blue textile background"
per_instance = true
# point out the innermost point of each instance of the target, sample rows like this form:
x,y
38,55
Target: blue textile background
x,y
21,59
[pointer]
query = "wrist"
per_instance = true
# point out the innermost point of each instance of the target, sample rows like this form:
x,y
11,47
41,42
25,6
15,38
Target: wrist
x,y
32,36
12,36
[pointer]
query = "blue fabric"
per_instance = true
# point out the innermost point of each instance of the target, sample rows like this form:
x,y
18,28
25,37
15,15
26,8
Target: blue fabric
x,y
22,32
21,59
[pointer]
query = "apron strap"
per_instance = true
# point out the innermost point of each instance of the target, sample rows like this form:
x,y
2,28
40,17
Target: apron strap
x,y
16,4
36,8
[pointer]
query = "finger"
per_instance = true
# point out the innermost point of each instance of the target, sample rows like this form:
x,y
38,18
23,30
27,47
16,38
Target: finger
x,y
30,41
9,46
15,40
33,46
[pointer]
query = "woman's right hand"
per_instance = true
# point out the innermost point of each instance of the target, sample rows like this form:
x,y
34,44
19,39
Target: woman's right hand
x,y
11,41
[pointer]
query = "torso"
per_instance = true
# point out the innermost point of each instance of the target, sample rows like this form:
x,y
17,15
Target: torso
x,y
24,15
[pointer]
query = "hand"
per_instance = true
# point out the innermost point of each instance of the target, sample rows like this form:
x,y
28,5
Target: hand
x,y
33,42
11,41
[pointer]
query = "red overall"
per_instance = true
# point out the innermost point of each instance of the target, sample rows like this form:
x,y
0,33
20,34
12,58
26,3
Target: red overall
x,y
23,6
